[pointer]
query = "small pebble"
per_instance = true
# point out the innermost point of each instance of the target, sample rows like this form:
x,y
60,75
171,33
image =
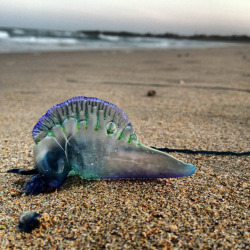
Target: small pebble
x,y
28,221
151,92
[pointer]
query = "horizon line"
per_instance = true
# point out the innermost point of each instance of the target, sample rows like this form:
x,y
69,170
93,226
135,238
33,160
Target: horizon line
x,y
149,33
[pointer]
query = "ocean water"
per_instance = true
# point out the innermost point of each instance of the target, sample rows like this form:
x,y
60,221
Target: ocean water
x,y
32,40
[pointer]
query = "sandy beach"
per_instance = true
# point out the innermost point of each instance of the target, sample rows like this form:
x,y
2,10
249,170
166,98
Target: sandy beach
x,y
202,102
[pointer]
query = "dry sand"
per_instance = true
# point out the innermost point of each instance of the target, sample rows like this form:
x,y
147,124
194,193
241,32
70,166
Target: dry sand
x,y
201,102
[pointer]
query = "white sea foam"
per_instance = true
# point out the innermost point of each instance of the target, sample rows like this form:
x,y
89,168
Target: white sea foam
x,y
18,32
109,38
4,34
44,40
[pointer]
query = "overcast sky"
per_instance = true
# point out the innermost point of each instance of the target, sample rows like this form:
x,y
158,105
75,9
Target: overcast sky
x,y
156,16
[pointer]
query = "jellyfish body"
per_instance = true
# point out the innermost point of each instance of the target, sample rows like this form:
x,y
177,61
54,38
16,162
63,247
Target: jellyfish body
x,y
95,140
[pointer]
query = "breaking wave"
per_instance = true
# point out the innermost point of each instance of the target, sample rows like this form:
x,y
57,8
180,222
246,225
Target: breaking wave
x,y
26,40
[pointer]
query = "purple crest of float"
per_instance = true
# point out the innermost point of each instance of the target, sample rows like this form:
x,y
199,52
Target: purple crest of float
x,y
46,122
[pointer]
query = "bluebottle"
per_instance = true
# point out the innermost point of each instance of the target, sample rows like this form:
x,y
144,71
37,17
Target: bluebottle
x,y
94,139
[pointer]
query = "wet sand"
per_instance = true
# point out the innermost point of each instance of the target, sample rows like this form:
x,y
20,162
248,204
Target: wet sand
x,y
201,103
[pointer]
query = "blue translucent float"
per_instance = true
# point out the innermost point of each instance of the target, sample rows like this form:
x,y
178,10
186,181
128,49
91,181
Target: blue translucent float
x,y
95,140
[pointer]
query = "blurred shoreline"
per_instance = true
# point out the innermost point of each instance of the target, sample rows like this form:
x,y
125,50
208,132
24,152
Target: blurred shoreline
x,y
36,40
